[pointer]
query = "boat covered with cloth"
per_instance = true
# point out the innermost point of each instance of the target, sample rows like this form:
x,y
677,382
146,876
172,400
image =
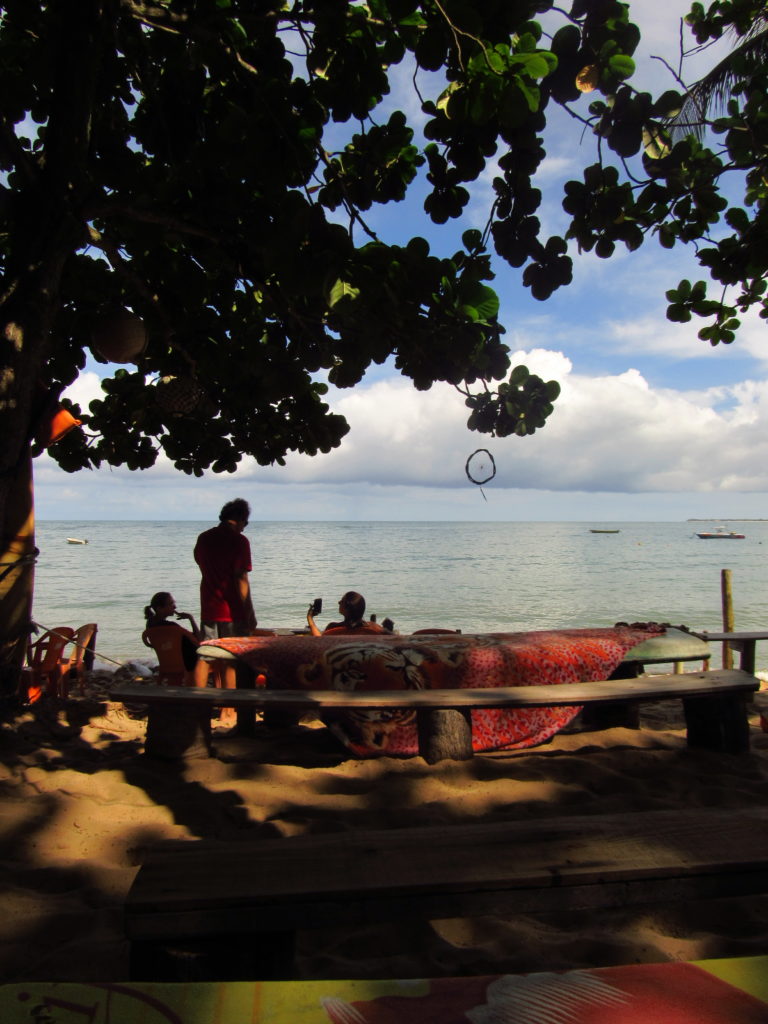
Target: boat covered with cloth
x,y
437,661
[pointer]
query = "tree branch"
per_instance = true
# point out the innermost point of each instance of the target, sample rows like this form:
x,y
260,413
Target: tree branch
x,y
106,207
12,149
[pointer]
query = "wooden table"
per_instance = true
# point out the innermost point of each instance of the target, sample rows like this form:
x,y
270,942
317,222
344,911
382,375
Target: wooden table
x,y
744,642
674,647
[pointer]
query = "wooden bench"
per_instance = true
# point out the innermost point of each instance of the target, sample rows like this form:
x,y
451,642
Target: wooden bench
x,y
715,704
215,911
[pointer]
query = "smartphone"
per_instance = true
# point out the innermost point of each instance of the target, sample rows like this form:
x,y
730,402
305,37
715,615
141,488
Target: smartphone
x,y
317,606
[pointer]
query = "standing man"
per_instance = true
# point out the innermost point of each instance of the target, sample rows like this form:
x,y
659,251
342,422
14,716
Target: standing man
x,y
224,557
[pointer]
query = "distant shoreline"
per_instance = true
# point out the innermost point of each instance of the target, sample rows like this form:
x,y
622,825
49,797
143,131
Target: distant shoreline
x,y
730,519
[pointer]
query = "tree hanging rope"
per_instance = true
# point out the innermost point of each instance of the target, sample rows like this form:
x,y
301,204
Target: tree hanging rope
x,y
480,468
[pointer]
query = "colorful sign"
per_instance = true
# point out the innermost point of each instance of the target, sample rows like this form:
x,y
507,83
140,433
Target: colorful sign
x,y
709,992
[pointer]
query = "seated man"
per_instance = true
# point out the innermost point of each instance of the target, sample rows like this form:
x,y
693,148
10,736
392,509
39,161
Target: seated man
x,y
352,607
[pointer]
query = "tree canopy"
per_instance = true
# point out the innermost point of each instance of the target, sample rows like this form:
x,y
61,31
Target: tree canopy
x,y
209,166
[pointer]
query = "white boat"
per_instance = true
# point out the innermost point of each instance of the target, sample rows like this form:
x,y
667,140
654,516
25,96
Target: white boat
x,y
76,540
720,533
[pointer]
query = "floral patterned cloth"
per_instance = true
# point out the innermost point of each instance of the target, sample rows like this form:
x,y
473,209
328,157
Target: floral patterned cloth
x,y
439,661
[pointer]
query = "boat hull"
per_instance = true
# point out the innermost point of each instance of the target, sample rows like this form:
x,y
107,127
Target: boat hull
x,y
721,536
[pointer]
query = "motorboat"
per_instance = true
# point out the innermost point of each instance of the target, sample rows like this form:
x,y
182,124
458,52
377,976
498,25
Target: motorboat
x,y
720,533
76,540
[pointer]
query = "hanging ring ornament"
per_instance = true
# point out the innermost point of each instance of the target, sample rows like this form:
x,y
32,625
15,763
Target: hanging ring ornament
x,y
481,467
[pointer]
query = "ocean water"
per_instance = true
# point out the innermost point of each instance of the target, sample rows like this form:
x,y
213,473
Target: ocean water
x,y
477,577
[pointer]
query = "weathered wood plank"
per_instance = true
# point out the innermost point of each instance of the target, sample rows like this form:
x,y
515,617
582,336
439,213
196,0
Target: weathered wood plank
x,y
649,687
200,889
743,641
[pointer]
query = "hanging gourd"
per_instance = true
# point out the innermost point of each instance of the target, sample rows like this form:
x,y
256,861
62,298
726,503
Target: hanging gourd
x,y
118,336
179,396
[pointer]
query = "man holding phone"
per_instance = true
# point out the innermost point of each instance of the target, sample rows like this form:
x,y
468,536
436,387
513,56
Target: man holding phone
x,y
352,607
224,557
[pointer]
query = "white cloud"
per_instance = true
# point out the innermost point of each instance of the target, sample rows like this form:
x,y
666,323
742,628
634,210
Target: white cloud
x,y
608,433
85,389
611,432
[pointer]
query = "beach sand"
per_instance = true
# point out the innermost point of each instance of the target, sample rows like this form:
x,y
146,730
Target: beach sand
x,y
81,803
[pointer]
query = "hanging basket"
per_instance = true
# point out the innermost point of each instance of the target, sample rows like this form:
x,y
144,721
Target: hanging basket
x,y
119,336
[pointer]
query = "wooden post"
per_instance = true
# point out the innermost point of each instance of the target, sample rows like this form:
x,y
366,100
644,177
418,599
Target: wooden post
x,y
717,723
246,718
747,660
175,731
445,733
727,600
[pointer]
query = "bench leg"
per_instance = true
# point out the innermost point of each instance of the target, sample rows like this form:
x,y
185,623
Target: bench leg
x,y
175,730
615,714
718,723
445,733
246,717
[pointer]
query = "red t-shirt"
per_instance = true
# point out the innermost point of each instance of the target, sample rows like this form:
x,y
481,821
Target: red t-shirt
x,y
223,555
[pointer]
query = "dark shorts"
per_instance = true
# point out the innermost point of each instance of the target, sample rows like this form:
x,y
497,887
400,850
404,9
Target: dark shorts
x,y
214,630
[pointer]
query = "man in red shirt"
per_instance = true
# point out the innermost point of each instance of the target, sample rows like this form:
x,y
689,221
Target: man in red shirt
x,y
224,557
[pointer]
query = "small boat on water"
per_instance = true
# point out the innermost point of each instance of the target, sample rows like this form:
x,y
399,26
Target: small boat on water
x,y
720,533
605,531
76,540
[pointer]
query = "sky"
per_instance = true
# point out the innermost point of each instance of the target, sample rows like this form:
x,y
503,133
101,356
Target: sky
x,y
652,423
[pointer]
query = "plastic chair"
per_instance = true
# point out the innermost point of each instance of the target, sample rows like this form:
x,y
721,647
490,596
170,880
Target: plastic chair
x,y
165,641
42,672
81,657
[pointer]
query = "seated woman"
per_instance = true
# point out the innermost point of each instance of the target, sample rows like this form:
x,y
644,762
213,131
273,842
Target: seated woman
x,y
158,612
352,607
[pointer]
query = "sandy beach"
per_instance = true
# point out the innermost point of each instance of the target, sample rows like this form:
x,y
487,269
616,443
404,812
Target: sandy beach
x,y
81,802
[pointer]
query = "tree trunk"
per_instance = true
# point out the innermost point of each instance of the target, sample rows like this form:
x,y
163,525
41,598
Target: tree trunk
x,y
17,574
25,405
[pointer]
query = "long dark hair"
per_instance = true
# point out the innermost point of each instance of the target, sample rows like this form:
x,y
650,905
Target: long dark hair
x,y
158,600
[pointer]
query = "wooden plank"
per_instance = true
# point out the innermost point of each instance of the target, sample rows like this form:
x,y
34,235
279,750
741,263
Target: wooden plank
x,y
742,641
650,687
736,635
592,860
252,918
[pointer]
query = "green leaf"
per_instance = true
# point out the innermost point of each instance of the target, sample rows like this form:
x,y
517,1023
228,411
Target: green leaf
x,y
472,240
621,66
341,290
535,64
